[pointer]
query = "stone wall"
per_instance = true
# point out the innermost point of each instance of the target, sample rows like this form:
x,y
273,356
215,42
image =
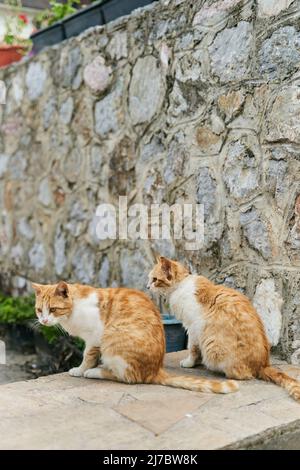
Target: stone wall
x,y
183,101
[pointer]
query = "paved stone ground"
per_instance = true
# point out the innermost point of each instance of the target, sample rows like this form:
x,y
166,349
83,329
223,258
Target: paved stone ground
x,y
62,412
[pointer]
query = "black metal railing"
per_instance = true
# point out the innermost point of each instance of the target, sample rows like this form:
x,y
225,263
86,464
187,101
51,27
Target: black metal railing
x,y
99,13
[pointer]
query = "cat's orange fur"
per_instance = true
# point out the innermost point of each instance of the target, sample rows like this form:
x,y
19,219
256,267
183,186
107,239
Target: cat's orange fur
x,y
123,327
225,331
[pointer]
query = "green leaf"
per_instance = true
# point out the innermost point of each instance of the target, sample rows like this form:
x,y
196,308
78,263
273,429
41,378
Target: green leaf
x,y
9,39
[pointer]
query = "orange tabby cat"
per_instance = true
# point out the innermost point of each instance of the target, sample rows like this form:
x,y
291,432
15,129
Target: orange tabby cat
x,y
123,326
224,329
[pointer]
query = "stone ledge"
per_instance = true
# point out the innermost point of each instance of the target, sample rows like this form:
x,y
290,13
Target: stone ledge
x,y
62,412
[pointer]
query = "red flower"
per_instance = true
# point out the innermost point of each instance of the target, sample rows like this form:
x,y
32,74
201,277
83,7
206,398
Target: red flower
x,y
23,18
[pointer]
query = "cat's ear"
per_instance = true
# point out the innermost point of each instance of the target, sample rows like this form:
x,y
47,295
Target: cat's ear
x,y
37,288
62,289
166,266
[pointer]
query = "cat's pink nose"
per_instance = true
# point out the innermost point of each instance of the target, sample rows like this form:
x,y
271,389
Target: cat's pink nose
x,y
45,321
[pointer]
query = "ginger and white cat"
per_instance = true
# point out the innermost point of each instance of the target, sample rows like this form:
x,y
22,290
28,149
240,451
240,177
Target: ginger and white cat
x,y
123,327
225,331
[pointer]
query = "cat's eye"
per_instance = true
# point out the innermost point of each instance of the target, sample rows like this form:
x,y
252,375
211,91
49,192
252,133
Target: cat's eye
x,y
52,310
154,279
39,310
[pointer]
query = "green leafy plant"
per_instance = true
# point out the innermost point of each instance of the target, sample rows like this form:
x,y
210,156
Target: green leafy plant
x,y
56,12
60,10
16,309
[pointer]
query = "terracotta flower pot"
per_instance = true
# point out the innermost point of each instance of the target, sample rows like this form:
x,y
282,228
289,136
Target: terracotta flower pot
x,y
10,54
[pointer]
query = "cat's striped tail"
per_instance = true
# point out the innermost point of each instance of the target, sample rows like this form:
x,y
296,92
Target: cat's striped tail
x,y
271,374
196,384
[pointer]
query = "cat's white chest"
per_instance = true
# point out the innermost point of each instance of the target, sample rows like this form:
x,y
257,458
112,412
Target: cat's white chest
x,y
186,308
85,320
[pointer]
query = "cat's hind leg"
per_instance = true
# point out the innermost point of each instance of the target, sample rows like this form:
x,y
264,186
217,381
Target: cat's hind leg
x,y
241,372
113,368
100,373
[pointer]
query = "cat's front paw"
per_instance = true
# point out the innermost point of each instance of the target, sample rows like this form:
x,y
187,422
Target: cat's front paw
x,y
76,372
187,362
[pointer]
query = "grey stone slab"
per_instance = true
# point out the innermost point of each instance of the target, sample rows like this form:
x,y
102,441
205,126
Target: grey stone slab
x,y
63,412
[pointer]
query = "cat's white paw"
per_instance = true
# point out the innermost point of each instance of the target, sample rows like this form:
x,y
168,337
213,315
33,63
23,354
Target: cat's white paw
x,y
93,373
187,362
76,372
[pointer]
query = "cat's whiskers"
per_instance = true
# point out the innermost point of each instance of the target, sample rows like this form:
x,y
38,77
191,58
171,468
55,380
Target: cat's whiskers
x,y
61,330
34,324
